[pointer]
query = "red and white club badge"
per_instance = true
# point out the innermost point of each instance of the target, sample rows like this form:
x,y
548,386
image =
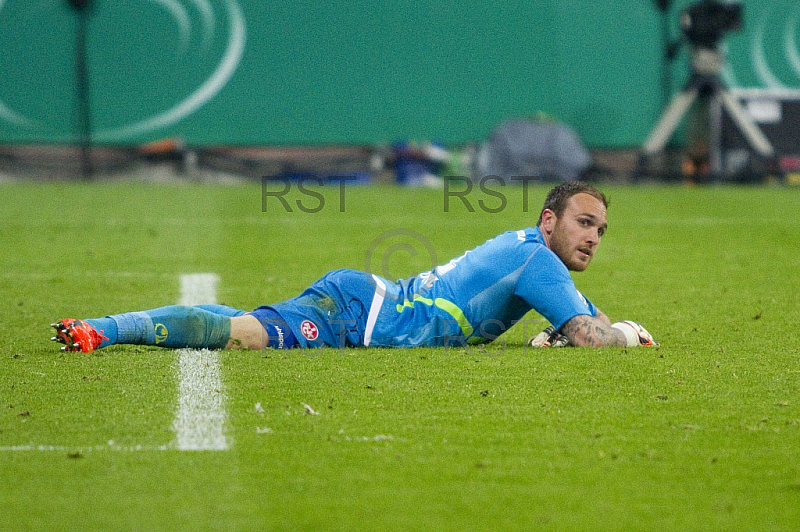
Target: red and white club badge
x,y
309,330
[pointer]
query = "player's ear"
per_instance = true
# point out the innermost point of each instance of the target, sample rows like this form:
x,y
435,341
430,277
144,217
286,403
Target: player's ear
x,y
549,220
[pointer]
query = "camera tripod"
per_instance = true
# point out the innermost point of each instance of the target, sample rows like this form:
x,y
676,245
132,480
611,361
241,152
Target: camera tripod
x,y
705,79
84,111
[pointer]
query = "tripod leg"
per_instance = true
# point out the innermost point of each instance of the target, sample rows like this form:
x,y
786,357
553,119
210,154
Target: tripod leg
x,y
669,121
749,129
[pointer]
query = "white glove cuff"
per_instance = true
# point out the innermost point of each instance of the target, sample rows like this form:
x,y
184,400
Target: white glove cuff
x,y
630,332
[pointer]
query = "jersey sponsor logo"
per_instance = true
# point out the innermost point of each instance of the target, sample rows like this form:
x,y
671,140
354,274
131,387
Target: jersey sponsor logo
x,y
309,330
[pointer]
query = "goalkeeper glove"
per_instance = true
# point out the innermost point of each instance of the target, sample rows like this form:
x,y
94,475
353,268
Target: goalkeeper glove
x,y
549,337
634,333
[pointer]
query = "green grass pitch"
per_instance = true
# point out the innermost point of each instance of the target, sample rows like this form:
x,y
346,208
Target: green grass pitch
x,y
702,433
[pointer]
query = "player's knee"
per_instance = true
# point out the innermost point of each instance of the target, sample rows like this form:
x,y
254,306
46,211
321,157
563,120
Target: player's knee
x,y
247,333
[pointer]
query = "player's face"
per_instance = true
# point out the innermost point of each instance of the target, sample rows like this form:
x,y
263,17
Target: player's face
x,y
575,235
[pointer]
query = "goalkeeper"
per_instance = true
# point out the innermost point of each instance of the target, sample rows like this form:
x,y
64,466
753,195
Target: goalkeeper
x,y
472,299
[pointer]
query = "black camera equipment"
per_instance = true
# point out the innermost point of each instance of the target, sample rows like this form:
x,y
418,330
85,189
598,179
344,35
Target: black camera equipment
x,y
704,24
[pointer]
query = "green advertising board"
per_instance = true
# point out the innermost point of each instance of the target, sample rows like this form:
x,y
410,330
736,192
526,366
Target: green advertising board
x,y
260,72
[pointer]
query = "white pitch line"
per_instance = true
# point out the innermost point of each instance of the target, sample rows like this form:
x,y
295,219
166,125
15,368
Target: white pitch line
x,y
200,419
198,289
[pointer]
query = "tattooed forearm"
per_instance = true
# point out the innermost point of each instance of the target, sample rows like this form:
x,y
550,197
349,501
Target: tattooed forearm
x,y
586,331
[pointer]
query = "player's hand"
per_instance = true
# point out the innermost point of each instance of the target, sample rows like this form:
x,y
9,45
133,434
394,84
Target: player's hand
x,y
549,337
635,334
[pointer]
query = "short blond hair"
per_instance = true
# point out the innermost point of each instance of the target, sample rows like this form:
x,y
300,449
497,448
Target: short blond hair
x,y
559,195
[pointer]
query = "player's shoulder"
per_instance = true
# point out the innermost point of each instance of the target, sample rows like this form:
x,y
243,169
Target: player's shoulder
x,y
529,238
521,242
510,246
540,257
509,240
515,246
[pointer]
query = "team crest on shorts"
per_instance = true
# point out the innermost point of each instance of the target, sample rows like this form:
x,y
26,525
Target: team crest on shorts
x,y
309,330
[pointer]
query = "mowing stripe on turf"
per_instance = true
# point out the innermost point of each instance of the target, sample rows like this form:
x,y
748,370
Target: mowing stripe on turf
x,y
200,418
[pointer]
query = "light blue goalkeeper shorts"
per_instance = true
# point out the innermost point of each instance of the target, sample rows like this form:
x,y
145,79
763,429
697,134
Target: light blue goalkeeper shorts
x,y
332,312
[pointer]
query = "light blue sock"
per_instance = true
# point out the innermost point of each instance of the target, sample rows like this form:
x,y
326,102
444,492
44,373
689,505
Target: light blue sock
x,y
107,327
174,326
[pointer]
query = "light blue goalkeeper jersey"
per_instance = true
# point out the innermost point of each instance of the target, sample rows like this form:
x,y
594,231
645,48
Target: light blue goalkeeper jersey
x,y
476,297
472,299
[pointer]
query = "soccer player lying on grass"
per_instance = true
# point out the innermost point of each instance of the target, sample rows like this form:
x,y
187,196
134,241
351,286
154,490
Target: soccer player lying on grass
x,y
470,300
